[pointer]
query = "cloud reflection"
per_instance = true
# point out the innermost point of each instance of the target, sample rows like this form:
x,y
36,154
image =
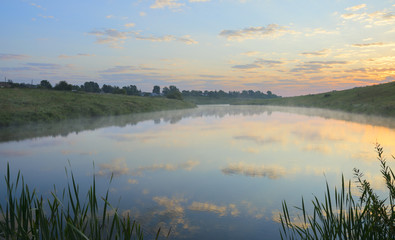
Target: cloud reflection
x,y
14,153
257,139
208,207
119,167
169,167
251,170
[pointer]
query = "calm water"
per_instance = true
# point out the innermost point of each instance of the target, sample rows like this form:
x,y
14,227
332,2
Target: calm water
x,y
215,172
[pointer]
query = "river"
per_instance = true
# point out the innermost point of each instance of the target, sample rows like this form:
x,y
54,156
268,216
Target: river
x,y
214,172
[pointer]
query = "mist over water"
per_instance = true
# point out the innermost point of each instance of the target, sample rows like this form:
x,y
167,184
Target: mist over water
x,y
214,172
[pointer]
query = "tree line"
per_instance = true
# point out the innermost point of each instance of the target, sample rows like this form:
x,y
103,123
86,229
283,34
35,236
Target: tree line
x,y
169,92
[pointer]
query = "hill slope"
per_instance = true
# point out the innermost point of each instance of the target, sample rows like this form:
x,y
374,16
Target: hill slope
x,y
19,106
377,100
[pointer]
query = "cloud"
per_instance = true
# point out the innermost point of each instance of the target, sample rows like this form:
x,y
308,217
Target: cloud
x,y
7,56
250,53
320,31
259,63
109,16
323,53
379,18
16,69
271,30
78,55
251,170
316,66
129,25
356,8
46,17
168,38
211,76
247,66
126,69
199,0
369,44
111,37
37,6
172,4
44,66
119,69
143,14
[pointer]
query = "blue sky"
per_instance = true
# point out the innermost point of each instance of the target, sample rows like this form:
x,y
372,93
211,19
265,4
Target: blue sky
x,y
286,46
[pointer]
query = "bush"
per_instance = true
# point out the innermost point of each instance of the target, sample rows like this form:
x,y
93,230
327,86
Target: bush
x,y
368,217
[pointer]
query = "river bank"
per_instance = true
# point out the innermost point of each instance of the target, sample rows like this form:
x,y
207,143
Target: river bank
x,y
21,106
371,100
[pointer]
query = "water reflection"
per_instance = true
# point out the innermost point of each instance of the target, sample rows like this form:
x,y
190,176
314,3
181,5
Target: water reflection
x,y
215,172
67,127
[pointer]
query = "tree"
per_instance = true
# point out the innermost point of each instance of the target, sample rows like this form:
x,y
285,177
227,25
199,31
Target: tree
x,y
165,91
156,90
173,93
63,86
132,90
45,84
91,87
107,88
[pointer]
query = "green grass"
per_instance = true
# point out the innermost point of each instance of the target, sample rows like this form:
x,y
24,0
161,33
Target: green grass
x,y
20,106
70,215
343,216
372,100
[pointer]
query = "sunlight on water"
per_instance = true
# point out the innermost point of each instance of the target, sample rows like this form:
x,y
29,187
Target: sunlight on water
x,y
215,172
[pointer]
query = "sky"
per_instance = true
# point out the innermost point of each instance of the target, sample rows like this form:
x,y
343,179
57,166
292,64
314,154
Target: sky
x,y
286,46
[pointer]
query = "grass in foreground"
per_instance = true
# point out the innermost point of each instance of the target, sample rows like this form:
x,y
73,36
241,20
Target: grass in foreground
x,y
27,216
341,216
373,100
20,106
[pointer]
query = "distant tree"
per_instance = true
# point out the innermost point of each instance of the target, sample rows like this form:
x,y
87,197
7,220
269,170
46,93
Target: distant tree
x,y
63,86
156,90
132,90
269,93
91,87
107,88
76,88
165,91
174,93
45,84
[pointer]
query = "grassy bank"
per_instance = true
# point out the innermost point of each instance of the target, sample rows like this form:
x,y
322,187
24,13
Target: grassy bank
x,y
20,106
376,100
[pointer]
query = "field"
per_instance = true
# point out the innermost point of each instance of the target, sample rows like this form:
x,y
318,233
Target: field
x,y
371,100
20,106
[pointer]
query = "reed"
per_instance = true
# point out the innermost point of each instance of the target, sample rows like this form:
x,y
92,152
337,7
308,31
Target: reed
x,y
26,215
343,216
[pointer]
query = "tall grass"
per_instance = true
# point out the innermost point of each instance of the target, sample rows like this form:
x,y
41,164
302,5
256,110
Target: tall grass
x,y
26,215
343,216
